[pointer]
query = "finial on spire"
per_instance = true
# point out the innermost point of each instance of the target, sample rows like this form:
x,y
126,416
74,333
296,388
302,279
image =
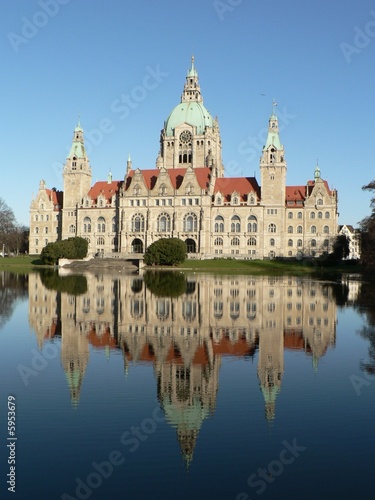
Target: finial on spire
x,y
274,104
317,171
128,164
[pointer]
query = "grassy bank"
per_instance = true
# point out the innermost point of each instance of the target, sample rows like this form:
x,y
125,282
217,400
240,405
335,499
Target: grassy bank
x,y
22,263
26,263
265,267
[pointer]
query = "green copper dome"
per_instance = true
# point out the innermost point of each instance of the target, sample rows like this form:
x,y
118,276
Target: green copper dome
x,y
194,113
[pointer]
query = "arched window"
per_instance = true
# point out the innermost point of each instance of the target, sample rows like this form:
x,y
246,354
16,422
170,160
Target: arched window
x,y
36,218
299,243
137,190
290,229
37,230
272,242
312,215
218,241
164,223
252,225
235,242
113,224
326,243
252,242
138,223
290,215
100,241
42,218
313,243
72,228
319,201
320,215
87,225
219,224
299,229
326,229
299,215
313,229
46,230
272,228
326,215
101,225
290,243
190,223
235,226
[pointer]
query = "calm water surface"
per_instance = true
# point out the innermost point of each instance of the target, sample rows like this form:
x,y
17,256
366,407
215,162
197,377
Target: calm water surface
x,y
166,386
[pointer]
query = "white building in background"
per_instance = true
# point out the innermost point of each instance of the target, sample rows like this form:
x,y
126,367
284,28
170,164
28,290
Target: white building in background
x,y
353,236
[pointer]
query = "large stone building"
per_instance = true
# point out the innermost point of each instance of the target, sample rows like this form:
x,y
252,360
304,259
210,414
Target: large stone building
x,y
187,196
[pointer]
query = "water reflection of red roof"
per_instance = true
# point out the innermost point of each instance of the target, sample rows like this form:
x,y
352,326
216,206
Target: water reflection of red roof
x,y
104,340
239,348
294,340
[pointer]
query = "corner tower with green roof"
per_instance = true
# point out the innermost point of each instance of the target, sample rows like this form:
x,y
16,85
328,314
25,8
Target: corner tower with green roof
x,y
77,181
191,136
273,167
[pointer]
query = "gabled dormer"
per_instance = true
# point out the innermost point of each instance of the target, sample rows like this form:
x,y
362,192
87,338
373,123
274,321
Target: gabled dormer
x,y
190,185
163,185
252,198
235,198
219,199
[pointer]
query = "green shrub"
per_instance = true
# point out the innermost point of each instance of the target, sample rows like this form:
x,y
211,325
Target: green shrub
x,y
166,252
72,248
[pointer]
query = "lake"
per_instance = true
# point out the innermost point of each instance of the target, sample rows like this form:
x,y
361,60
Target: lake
x,y
175,386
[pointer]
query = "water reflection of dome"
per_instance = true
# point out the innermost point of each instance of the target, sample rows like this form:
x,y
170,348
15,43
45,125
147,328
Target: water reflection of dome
x,y
187,420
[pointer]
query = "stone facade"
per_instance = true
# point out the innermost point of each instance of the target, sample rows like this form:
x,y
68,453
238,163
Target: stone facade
x,y
187,196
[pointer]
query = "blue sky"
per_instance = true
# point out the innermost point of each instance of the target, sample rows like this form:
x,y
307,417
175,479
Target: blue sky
x,y
65,58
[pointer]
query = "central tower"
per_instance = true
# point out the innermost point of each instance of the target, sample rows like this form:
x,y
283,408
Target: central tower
x,y
191,137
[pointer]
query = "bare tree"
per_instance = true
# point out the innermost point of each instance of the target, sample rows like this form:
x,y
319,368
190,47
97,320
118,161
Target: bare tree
x,y
7,224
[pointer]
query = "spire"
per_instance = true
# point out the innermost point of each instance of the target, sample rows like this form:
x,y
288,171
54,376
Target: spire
x,y
273,133
78,147
317,171
128,164
78,127
192,71
192,91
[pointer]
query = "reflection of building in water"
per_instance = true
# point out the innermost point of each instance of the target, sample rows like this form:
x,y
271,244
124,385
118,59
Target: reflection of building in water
x,y
43,310
53,314
185,337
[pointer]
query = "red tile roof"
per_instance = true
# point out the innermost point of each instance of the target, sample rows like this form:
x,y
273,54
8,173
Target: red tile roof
x,y
56,197
242,185
108,189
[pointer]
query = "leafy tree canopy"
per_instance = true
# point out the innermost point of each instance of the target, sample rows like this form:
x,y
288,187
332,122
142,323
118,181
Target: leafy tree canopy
x,y
166,252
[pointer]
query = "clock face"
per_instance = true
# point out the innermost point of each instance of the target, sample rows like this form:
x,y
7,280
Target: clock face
x,y
185,136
